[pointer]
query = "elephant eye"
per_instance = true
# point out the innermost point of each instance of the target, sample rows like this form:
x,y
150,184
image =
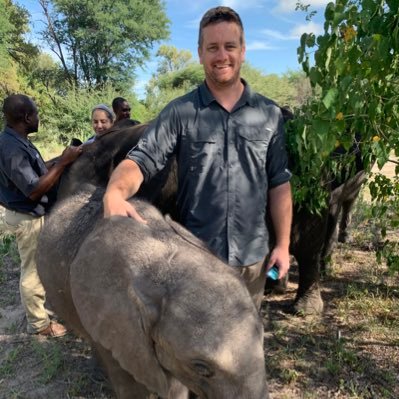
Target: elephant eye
x,y
202,369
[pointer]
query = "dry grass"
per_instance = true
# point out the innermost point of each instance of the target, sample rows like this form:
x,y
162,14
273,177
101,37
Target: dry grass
x,y
351,351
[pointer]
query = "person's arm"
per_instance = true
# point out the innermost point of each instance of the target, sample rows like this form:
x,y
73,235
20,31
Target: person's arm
x,y
280,204
144,161
48,180
51,162
125,181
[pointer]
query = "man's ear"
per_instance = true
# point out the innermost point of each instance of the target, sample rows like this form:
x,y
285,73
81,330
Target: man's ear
x,y
200,54
28,117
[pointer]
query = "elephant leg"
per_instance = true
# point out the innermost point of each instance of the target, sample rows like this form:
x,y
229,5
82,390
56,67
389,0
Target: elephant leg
x,y
307,241
330,235
352,190
123,383
346,217
308,299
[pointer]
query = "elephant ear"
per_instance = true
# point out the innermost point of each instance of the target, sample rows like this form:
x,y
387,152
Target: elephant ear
x,y
117,301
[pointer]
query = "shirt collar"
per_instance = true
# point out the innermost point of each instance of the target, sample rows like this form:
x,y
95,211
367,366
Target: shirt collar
x,y
10,131
247,96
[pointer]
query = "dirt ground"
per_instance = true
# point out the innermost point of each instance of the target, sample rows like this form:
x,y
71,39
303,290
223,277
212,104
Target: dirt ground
x,y
342,354
350,351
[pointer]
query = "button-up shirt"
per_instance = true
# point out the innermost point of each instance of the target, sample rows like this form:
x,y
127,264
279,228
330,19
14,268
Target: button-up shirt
x,y
21,166
227,162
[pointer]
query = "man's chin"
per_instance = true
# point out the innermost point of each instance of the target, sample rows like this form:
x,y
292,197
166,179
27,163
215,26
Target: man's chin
x,y
226,81
33,130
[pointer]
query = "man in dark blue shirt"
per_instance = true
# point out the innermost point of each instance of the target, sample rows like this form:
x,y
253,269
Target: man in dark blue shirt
x,y
230,149
27,190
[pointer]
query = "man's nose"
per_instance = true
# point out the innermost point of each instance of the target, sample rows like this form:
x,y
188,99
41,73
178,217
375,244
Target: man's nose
x,y
221,53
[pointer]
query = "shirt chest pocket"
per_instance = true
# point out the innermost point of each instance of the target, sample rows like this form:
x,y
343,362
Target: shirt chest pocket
x,y
252,145
204,149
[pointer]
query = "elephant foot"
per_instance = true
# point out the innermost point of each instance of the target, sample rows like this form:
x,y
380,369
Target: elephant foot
x,y
343,237
309,303
276,286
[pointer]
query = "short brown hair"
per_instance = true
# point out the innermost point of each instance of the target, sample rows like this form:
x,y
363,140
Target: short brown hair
x,y
220,14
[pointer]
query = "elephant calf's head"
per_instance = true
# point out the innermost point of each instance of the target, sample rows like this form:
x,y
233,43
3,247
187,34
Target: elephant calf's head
x,y
210,336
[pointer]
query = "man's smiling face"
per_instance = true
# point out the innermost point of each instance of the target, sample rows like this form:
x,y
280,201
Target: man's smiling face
x,y
222,53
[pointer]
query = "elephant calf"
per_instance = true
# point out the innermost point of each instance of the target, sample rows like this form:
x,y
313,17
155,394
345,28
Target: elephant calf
x,y
161,311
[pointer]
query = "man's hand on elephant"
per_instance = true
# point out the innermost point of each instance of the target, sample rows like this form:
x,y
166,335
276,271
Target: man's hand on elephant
x,y
281,258
125,181
70,154
118,206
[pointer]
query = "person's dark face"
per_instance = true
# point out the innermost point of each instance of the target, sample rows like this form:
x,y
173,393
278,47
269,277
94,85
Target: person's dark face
x,y
32,120
123,111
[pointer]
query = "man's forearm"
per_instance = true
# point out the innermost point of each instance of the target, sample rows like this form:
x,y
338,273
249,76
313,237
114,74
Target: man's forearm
x,y
54,172
47,181
280,204
125,180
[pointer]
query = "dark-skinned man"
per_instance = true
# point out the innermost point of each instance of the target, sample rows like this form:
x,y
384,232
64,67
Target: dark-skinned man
x,y
122,110
27,191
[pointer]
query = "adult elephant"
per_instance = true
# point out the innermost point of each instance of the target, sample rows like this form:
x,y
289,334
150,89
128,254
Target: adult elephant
x,y
163,313
311,238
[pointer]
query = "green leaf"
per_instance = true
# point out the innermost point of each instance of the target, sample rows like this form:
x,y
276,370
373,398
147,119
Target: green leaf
x,y
315,76
330,97
329,12
321,127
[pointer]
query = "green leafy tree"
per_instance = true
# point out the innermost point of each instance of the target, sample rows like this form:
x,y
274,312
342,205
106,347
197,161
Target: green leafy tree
x,y
98,41
301,85
284,90
19,49
69,115
178,73
6,64
15,51
355,78
172,59
47,78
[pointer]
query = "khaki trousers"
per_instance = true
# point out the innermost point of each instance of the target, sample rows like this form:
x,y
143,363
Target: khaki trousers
x,y
26,229
255,279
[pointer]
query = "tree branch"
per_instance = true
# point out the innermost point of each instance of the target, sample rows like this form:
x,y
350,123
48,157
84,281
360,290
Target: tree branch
x,y
54,37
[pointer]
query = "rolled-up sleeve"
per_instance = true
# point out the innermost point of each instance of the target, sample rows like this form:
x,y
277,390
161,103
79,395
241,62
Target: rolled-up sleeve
x,y
277,159
157,144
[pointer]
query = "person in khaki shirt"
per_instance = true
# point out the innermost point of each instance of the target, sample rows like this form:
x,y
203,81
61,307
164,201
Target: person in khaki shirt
x,y
27,191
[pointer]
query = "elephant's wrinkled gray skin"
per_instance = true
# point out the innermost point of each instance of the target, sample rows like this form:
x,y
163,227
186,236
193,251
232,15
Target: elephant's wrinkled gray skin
x,y
99,159
311,236
158,307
